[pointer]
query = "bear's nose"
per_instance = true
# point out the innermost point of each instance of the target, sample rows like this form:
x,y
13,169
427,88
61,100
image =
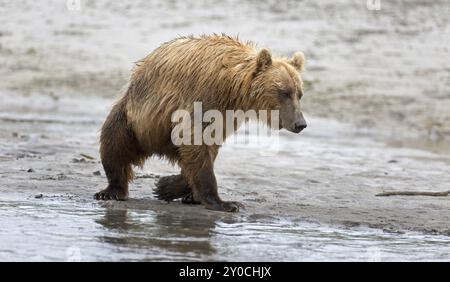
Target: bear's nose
x,y
299,126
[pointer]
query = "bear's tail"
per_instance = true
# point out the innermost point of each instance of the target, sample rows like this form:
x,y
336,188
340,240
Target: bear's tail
x,y
172,187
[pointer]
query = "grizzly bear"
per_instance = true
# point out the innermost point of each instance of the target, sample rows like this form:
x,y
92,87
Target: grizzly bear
x,y
221,72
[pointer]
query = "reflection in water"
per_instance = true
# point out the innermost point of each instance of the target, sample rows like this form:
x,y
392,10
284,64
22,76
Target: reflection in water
x,y
46,229
115,219
152,235
159,233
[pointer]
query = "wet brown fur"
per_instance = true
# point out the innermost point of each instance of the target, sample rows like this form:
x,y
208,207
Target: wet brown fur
x,y
221,72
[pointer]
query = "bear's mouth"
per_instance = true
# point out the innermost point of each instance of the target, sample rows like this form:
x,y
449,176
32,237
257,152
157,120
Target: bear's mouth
x,y
295,130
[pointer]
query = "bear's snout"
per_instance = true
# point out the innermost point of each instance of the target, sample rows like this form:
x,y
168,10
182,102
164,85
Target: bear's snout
x,y
299,126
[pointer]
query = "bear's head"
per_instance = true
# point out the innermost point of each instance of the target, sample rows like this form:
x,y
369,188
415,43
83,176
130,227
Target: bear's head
x,y
277,84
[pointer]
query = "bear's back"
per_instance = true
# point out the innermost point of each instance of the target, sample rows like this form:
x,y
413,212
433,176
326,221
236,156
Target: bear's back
x,y
191,65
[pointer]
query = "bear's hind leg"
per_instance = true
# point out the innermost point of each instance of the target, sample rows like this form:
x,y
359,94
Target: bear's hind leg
x,y
172,187
119,150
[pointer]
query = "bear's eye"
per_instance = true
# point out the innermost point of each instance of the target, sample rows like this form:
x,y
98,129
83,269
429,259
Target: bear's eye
x,y
285,94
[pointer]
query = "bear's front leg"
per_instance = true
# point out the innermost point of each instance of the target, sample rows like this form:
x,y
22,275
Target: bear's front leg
x,y
197,164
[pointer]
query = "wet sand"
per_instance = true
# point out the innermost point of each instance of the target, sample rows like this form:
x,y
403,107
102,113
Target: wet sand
x,y
326,174
378,121
314,199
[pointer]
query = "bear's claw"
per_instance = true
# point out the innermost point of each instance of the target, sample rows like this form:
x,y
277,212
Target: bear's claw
x,y
111,194
225,206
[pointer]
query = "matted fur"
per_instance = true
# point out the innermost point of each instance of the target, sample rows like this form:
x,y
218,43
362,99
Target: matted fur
x,y
221,72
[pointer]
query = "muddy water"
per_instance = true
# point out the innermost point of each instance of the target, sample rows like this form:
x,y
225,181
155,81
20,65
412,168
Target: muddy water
x,y
312,198
69,229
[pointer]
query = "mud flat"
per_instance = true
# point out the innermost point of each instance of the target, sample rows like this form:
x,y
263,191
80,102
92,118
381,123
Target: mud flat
x,y
316,185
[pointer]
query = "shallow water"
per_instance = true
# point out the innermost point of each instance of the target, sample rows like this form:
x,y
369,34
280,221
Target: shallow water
x,y
64,228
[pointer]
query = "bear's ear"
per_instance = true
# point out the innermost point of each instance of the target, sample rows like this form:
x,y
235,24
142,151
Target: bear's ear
x,y
298,61
263,60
